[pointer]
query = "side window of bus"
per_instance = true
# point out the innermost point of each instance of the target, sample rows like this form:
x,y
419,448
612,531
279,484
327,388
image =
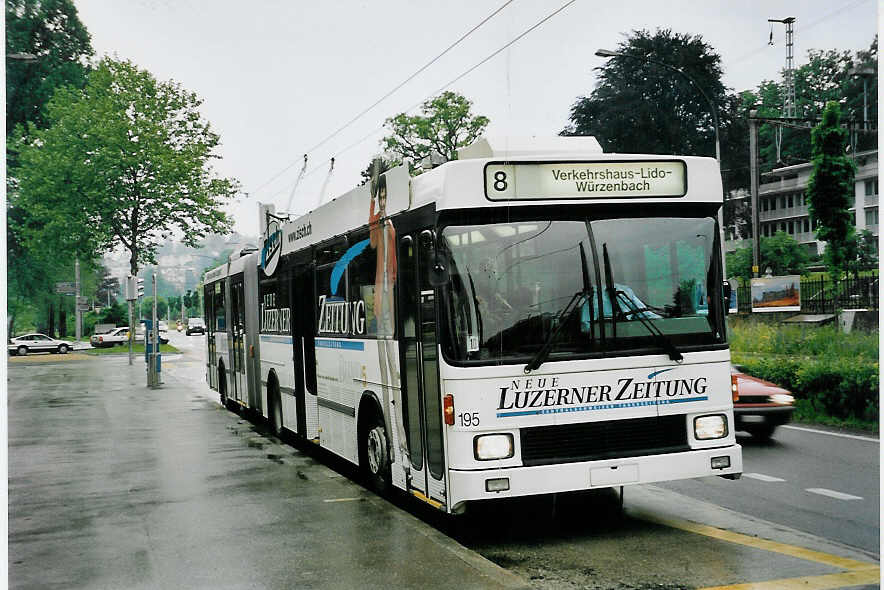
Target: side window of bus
x,y
331,288
361,278
220,318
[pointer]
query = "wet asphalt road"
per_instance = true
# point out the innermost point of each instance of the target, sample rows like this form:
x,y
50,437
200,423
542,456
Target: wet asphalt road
x,y
113,485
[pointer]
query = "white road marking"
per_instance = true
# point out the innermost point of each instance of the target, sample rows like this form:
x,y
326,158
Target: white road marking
x,y
832,494
853,436
343,500
762,477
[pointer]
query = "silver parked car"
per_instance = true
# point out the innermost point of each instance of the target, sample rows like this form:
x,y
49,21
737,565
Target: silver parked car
x,y
22,345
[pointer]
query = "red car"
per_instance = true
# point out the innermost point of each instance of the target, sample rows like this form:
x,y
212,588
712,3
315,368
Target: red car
x,y
761,406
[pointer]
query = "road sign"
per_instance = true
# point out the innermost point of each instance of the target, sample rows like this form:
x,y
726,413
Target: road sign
x,y
83,304
66,288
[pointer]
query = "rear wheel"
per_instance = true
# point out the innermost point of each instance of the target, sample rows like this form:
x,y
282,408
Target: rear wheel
x,y
222,384
274,410
375,455
22,350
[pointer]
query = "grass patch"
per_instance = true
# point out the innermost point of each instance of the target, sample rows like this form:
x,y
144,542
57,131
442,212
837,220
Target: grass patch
x,y
806,413
124,349
834,376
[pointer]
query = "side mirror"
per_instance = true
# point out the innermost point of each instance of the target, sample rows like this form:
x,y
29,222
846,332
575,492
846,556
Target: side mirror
x,y
437,273
726,296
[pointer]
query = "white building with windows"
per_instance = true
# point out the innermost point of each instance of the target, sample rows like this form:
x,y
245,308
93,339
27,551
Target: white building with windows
x,y
783,205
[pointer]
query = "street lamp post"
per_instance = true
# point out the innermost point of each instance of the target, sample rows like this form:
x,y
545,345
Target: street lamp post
x,y
606,53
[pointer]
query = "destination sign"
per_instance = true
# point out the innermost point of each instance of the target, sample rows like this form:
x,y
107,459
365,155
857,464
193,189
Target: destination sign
x,y
585,180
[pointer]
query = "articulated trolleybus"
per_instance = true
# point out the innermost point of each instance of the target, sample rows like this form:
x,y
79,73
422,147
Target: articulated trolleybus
x,y
535,317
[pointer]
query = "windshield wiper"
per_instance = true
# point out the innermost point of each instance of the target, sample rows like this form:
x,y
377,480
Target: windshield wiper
x,y
543,353
658,335
615,295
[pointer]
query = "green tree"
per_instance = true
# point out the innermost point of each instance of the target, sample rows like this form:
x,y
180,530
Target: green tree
x,y
865,252
779,252
125,161
640,106
446,124
830,187
51,31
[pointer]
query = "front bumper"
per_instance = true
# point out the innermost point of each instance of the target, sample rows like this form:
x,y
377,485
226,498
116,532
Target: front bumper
x,y
465,486
774,415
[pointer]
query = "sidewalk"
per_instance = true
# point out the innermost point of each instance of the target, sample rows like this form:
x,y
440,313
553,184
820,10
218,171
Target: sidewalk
x,y
114,485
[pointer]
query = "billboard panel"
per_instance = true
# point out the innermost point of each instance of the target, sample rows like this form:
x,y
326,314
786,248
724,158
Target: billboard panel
x,y
776,294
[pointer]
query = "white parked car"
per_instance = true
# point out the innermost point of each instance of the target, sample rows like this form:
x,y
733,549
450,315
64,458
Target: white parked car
x,y
112,338
22,345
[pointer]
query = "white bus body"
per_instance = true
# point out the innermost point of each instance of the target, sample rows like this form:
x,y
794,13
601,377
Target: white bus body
x,y
374,333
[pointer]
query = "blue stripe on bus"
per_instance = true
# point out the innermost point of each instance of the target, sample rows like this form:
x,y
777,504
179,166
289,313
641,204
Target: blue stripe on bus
x,y
277,339
340,344
656,402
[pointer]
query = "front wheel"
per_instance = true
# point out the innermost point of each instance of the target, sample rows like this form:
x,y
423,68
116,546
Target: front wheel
x,y
761,431
62,349
376,457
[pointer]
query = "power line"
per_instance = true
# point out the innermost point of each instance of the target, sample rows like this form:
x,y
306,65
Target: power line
x,y
388,94
459,77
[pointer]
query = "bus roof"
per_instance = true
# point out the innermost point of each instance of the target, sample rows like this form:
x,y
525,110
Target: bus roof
x,y
463,184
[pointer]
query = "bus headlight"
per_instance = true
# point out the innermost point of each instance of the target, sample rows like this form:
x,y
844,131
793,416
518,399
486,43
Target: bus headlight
x,y
493,446
710,427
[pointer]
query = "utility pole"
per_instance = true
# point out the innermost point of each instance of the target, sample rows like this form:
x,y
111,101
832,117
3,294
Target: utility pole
x,y
753,176
77,329
789,94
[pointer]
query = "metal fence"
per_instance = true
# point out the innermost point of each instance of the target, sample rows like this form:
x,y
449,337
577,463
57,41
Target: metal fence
x,y
824,295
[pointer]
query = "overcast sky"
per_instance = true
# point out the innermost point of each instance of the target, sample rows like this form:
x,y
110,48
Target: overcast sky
x,y
277,77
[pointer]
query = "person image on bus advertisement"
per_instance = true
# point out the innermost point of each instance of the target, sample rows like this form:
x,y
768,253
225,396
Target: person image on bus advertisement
x,y
382,239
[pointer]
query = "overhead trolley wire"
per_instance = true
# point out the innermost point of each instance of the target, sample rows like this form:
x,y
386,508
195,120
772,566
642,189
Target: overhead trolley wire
x,y
391,92
459,77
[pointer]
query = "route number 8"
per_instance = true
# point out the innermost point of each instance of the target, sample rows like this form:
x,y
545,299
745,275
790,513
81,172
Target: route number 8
x,y
500,180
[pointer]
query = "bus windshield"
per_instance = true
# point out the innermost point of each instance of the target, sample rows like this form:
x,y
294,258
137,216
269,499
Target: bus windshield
x,y
580,287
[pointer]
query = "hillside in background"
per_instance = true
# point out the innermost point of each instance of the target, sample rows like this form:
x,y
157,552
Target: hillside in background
x,y
179,267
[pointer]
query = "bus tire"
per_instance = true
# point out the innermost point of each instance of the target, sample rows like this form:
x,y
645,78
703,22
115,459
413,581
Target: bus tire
x,y
274,403
222,383
374,455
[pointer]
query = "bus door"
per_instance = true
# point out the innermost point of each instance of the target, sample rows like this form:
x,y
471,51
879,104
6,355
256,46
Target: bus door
x,y
238,331
304,352
422,401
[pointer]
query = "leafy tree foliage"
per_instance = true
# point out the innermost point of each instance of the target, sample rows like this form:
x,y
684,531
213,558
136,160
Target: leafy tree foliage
x,y
779,252
644,107
446,124
52,31
865,252
125,161
641,106
829,188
